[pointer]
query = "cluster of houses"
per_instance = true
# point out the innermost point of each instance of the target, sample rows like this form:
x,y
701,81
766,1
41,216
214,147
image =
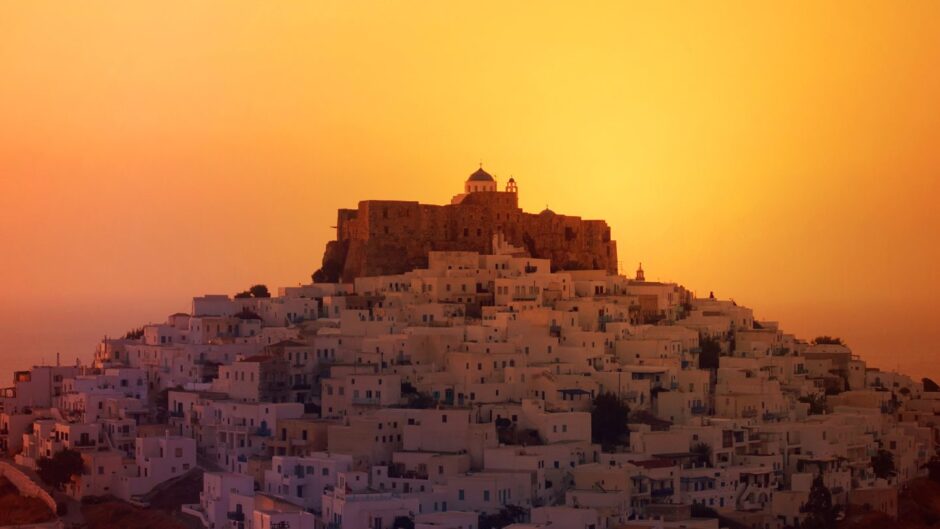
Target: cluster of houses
x,y
460,396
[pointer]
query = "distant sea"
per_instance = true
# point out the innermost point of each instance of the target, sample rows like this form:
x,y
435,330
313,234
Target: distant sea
x,y
33,335
22,351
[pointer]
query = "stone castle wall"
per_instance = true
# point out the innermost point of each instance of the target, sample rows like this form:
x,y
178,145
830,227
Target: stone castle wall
x,y
27,486
383,237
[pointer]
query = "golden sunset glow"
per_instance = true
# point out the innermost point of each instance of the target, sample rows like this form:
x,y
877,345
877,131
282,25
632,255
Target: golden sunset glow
x,y
784,155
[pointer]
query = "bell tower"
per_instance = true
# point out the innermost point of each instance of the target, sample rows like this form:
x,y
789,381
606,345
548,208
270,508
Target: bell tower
x,y
511,186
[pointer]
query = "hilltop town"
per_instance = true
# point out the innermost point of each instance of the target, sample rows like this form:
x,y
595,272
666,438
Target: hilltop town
x,y
472,366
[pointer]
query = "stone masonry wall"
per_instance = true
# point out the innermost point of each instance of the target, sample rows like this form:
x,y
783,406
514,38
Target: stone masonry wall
x,y
392,237
26,485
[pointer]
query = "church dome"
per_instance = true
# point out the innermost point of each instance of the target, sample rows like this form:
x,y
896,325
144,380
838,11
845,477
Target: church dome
x,y
480,176
547,212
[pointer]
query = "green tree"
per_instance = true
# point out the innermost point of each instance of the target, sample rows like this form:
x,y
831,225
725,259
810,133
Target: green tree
x,y
259,291
58,470
820,512
828,340
420,400
883,464
817,403
248,314
703,453
933,469
403,522
134,334
609,417
256,291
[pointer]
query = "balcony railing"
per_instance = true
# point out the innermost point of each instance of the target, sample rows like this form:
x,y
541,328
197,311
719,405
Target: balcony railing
x,y
699,410
236,516
661,493
396,472
749,414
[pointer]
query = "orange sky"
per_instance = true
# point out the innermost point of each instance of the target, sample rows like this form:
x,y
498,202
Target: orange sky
x,y
785,156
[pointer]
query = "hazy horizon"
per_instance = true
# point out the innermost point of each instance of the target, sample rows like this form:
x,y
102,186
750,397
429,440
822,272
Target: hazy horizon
x,y
782,156
73,331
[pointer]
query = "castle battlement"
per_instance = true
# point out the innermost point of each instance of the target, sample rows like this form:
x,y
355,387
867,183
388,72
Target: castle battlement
x,y
383,237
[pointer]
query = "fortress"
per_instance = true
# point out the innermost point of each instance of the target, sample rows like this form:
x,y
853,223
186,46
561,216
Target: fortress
x,y
384,237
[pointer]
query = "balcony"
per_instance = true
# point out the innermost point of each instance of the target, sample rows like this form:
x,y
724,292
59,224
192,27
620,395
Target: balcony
x,y
749,414
640,488
236,516
770,416
237,429
661,493
700,409
263,432
396,471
